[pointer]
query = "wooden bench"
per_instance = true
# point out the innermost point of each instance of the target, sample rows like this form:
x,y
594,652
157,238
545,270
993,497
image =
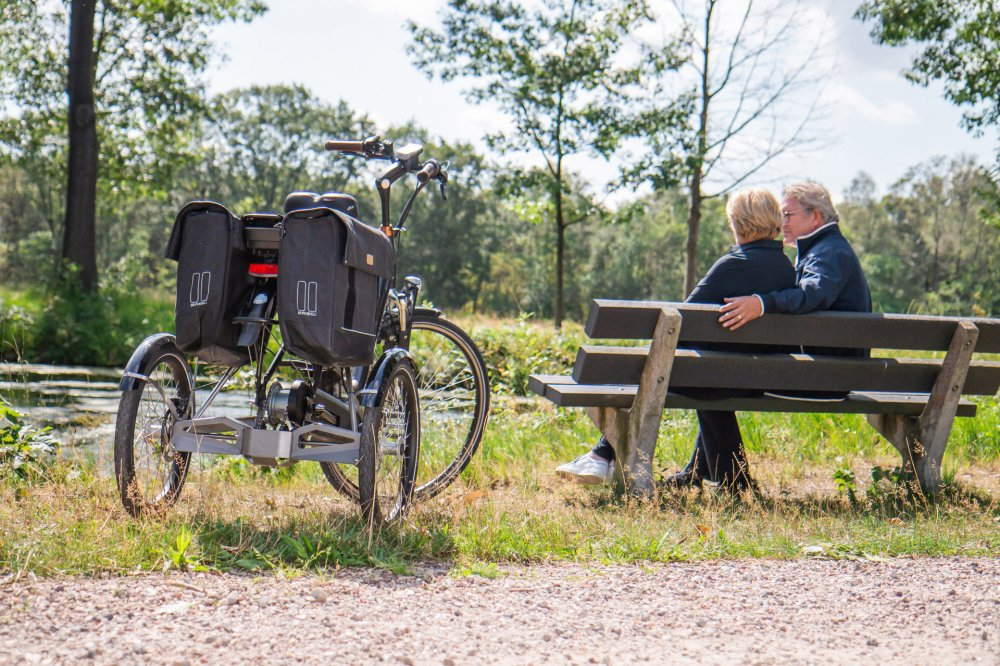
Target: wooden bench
x,y
912,402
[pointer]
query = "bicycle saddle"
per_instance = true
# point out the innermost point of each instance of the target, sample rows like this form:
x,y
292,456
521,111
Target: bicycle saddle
x,y
345,203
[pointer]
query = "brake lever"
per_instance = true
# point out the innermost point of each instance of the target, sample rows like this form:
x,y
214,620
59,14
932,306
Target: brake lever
x,y
442,178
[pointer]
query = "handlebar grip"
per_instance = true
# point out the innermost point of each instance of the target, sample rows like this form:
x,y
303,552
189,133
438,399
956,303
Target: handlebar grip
x,y
347,146
430,170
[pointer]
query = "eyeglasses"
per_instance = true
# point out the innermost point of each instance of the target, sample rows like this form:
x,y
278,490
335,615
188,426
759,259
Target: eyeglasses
x,y
787,214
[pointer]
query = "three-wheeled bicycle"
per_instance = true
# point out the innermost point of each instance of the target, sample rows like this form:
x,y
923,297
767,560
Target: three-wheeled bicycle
x,y
389,398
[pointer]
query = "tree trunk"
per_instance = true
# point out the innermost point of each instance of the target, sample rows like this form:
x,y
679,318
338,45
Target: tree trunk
x,y
691,246
81,199
694,209
560,246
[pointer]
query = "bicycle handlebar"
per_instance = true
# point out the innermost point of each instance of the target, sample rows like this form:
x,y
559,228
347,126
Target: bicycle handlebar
x,y
357,147
372,148
407,160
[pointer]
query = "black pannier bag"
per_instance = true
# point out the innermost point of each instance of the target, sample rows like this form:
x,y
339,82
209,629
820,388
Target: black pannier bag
x,y
329,297
212,281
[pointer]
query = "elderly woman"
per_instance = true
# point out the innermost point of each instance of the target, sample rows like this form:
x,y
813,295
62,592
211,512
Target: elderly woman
x,y
756,264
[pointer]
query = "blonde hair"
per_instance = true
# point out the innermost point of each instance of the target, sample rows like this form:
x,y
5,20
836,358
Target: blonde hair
x,y
813,196
754,214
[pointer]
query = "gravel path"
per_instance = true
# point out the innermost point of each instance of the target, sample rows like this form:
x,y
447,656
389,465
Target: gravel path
x,y
924,611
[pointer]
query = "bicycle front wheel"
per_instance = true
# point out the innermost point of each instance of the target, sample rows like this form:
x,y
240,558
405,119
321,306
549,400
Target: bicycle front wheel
x,y
454,405
390,446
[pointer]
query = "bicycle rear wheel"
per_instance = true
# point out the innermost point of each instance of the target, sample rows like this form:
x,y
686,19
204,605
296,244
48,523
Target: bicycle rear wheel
x,y
454,405
149,473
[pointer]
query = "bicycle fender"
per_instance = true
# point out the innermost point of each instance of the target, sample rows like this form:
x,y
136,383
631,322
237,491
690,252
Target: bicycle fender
x,y
386,364
434,313
135,365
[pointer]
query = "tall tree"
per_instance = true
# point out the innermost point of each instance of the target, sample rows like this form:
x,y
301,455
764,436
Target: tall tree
x,y
262,142
959,44
753,71
133,79
559,71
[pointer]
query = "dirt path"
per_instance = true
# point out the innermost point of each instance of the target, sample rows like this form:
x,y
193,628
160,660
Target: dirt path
x,y
927,611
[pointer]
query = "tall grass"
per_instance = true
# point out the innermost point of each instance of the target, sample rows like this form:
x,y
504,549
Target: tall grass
x,y
509,507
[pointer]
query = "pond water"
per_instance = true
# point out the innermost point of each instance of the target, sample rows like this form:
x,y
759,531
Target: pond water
x,y
80,403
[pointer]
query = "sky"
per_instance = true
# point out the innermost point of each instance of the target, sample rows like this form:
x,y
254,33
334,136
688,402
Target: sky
x,y
871,119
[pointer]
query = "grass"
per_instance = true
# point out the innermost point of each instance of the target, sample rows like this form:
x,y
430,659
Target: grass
x,y
509,508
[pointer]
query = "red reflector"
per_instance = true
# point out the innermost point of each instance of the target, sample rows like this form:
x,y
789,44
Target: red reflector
x,y
264,270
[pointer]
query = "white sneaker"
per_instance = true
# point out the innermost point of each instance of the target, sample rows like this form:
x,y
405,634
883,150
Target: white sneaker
x,y
588,469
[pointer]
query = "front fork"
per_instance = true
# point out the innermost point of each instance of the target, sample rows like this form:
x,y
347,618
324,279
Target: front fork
x,y
399,313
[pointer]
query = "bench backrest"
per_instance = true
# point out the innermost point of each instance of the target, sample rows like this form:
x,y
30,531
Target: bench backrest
x,y
636,320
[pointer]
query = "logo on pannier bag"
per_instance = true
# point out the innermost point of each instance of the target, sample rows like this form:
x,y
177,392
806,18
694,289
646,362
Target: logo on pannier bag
x,y
306,297
201,284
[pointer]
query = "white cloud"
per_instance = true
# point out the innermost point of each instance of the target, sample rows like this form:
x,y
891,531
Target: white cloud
x,y
850,101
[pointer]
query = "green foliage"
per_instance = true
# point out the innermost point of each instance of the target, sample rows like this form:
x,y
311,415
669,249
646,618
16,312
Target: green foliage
x,y
508,507
16,325
557,70
97,328
957,44
894,486
148,95
262,142
177,555
513,352
843,477
26,452
927,246
234,467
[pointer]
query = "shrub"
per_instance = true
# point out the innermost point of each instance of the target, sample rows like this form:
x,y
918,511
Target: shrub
x,y
96,328
16,327
515,350
25,451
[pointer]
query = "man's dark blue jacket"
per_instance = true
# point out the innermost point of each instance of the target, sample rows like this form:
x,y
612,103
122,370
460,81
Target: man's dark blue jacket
x,y
828,276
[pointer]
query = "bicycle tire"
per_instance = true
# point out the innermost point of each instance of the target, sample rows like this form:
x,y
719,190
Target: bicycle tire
x,y
149,474
443,430
390,449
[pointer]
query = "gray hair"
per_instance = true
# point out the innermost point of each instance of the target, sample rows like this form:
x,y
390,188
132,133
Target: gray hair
x,y
814,196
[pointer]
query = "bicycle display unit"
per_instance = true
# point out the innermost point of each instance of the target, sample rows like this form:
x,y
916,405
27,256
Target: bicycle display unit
x,y
389,398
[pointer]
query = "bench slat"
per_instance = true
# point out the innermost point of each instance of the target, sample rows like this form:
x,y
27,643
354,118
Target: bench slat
x,y
623,365
635,320
858,402
537,383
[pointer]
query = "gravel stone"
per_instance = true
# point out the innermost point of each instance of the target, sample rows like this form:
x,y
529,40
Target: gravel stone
x,y
769,612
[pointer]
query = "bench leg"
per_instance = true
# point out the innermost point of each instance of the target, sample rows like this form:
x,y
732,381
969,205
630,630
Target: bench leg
x,y
633,432
922,440
903,432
